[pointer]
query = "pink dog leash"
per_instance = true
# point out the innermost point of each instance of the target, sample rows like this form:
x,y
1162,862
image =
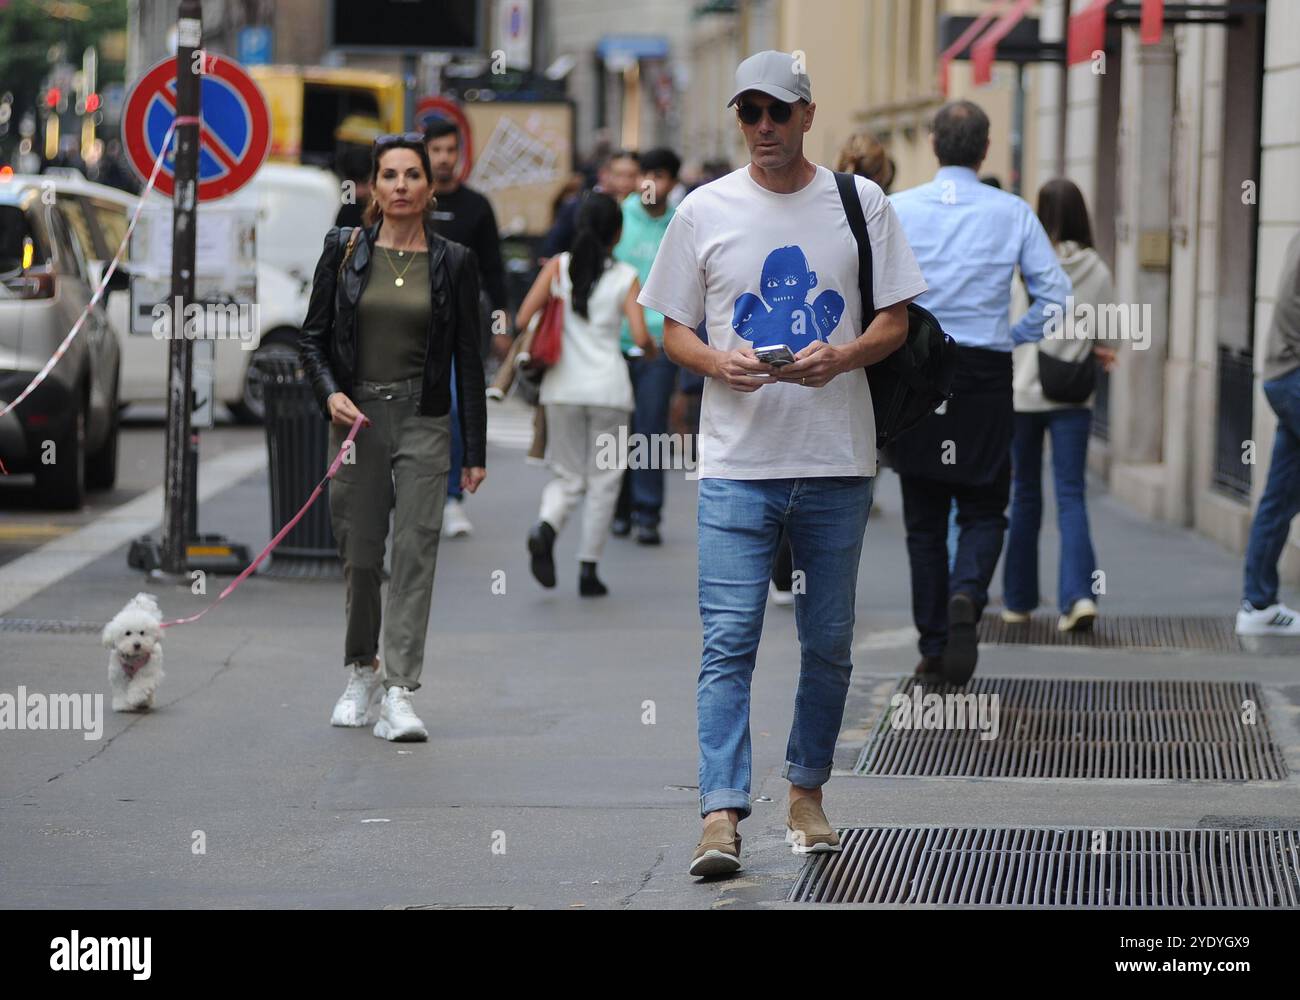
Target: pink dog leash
x,y
279,535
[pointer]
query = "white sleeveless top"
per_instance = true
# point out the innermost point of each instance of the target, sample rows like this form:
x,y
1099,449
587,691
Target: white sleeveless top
x,y
592,370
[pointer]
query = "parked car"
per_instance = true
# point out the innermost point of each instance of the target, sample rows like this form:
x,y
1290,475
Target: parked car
x,y
295,207
66,431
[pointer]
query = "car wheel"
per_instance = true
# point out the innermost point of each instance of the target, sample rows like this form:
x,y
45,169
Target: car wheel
x,y
101,467
61,484
250,408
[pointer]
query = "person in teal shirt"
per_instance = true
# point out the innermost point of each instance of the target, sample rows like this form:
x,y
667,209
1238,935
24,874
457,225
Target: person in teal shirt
x,y
646,214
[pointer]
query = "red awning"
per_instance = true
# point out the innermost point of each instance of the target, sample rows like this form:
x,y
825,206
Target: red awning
x,y
985,50
1087,32
1153,21
964,39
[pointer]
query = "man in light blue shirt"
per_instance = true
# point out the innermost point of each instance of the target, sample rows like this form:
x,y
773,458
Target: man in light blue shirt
x,y
969,238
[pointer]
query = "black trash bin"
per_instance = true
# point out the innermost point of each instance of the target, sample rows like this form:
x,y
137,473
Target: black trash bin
x,y
297,444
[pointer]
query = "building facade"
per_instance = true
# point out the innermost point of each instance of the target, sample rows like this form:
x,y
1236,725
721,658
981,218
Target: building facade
x,y
1184,150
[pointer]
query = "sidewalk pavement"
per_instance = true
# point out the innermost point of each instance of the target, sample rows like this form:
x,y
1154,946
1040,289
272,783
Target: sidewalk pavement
x,y
543,783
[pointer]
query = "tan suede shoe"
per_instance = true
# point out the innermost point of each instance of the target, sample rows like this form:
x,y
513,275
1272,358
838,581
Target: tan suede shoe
x,y
807,830
718,852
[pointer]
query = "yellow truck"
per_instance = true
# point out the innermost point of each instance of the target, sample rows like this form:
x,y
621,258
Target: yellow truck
x,y
315,110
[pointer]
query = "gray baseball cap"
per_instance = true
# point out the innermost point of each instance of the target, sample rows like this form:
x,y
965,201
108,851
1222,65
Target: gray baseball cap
x,y
772,73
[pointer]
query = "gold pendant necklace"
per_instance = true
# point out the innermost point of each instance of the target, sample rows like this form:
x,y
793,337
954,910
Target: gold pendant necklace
x,y
400,278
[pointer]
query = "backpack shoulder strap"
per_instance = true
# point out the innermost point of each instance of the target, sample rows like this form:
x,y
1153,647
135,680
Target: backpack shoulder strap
x,y
848,189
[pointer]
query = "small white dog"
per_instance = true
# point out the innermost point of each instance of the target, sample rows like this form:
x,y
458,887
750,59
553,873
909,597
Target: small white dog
x,y
135,662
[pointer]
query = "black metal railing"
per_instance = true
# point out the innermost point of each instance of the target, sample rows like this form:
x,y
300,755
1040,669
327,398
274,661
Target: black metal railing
x,y
1234,422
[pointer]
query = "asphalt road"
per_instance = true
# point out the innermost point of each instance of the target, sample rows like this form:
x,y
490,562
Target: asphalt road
x,y
543,783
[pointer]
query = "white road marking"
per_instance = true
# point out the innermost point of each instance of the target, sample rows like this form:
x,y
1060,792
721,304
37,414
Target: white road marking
x,y
891,638
28,575
510,425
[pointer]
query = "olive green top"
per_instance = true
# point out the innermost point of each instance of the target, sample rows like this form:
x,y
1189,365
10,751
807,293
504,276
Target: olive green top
x,y
393,321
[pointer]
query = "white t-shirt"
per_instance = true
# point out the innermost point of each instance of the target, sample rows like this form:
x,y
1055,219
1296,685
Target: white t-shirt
x,y
763,268
591,370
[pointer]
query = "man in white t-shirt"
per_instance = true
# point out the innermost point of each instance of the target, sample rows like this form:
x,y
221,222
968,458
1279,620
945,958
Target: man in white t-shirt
x,y
765,257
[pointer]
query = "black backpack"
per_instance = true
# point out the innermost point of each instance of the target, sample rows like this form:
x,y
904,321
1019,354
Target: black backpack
x,y
917,378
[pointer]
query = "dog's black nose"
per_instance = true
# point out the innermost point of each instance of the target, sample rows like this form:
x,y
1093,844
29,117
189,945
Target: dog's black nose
x,y
137,645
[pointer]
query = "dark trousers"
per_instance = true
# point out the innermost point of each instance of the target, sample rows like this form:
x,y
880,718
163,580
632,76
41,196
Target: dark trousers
x,y
982,523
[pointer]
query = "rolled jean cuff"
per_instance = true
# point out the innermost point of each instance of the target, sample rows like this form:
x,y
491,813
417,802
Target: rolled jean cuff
x,y
806,777
726,798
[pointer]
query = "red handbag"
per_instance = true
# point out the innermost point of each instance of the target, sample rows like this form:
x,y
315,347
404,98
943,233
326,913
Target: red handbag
x,y
548,338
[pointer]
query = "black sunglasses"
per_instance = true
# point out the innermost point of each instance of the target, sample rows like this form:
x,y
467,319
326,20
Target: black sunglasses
x,y
416,138
778,111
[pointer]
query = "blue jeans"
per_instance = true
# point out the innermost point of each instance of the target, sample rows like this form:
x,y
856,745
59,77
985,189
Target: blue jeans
x,y
653,381
1280,501
1069,430
740,523
954,533
457,445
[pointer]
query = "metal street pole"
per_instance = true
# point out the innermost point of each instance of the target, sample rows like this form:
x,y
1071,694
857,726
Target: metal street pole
x,y
180,353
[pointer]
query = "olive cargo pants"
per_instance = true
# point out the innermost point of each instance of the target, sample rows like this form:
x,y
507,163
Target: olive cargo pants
x,y
399,465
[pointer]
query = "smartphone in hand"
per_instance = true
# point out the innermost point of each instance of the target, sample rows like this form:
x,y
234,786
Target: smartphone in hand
x,y
777,355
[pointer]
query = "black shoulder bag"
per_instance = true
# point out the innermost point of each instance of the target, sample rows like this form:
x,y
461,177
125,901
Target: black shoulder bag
x,y
917,378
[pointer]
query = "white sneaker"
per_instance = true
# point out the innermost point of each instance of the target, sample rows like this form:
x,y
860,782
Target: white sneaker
x,y
454,522
397,719
359,703
1275,620
782,598
1081,616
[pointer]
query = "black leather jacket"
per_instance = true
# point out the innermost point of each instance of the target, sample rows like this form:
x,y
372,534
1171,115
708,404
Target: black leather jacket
x,y
328,342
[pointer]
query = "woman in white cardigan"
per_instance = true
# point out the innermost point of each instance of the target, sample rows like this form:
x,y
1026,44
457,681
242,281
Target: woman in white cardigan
x,y
1077,342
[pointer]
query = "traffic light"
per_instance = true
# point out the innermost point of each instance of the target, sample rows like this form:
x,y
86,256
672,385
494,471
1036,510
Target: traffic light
x,y
92,103
52,97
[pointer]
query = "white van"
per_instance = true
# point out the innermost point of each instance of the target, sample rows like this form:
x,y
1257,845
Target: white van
x,y
295,206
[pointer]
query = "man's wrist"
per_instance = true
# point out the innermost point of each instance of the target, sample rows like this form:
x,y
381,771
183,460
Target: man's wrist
x,y
850,355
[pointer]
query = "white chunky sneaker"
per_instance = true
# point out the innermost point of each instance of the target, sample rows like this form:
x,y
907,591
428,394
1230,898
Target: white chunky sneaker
x,y
1080,618
1277,619
454,522
397,719
359,704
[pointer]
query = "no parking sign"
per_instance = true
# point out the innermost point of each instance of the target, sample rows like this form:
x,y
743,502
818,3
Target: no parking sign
x,y
234,134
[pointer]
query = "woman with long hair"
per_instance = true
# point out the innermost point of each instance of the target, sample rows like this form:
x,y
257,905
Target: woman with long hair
x,y
863,154
392,304
1064,216
587,395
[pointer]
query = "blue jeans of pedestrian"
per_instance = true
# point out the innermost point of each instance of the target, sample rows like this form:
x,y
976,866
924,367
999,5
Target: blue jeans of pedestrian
x,y
740,524
1069,431
653,381
457,445
1280,501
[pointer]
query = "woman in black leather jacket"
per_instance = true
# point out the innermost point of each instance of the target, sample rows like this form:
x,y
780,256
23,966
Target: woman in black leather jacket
x,y
392,303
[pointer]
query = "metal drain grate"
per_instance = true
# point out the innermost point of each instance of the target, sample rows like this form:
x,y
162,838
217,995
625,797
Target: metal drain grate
x,y
1077,868
54,626
1216,635
1126,730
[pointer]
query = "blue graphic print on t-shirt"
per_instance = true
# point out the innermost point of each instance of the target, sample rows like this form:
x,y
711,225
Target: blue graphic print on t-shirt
x,y
780,314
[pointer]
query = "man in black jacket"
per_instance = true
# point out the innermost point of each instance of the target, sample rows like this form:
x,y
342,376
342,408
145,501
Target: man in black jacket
x,y
466,217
